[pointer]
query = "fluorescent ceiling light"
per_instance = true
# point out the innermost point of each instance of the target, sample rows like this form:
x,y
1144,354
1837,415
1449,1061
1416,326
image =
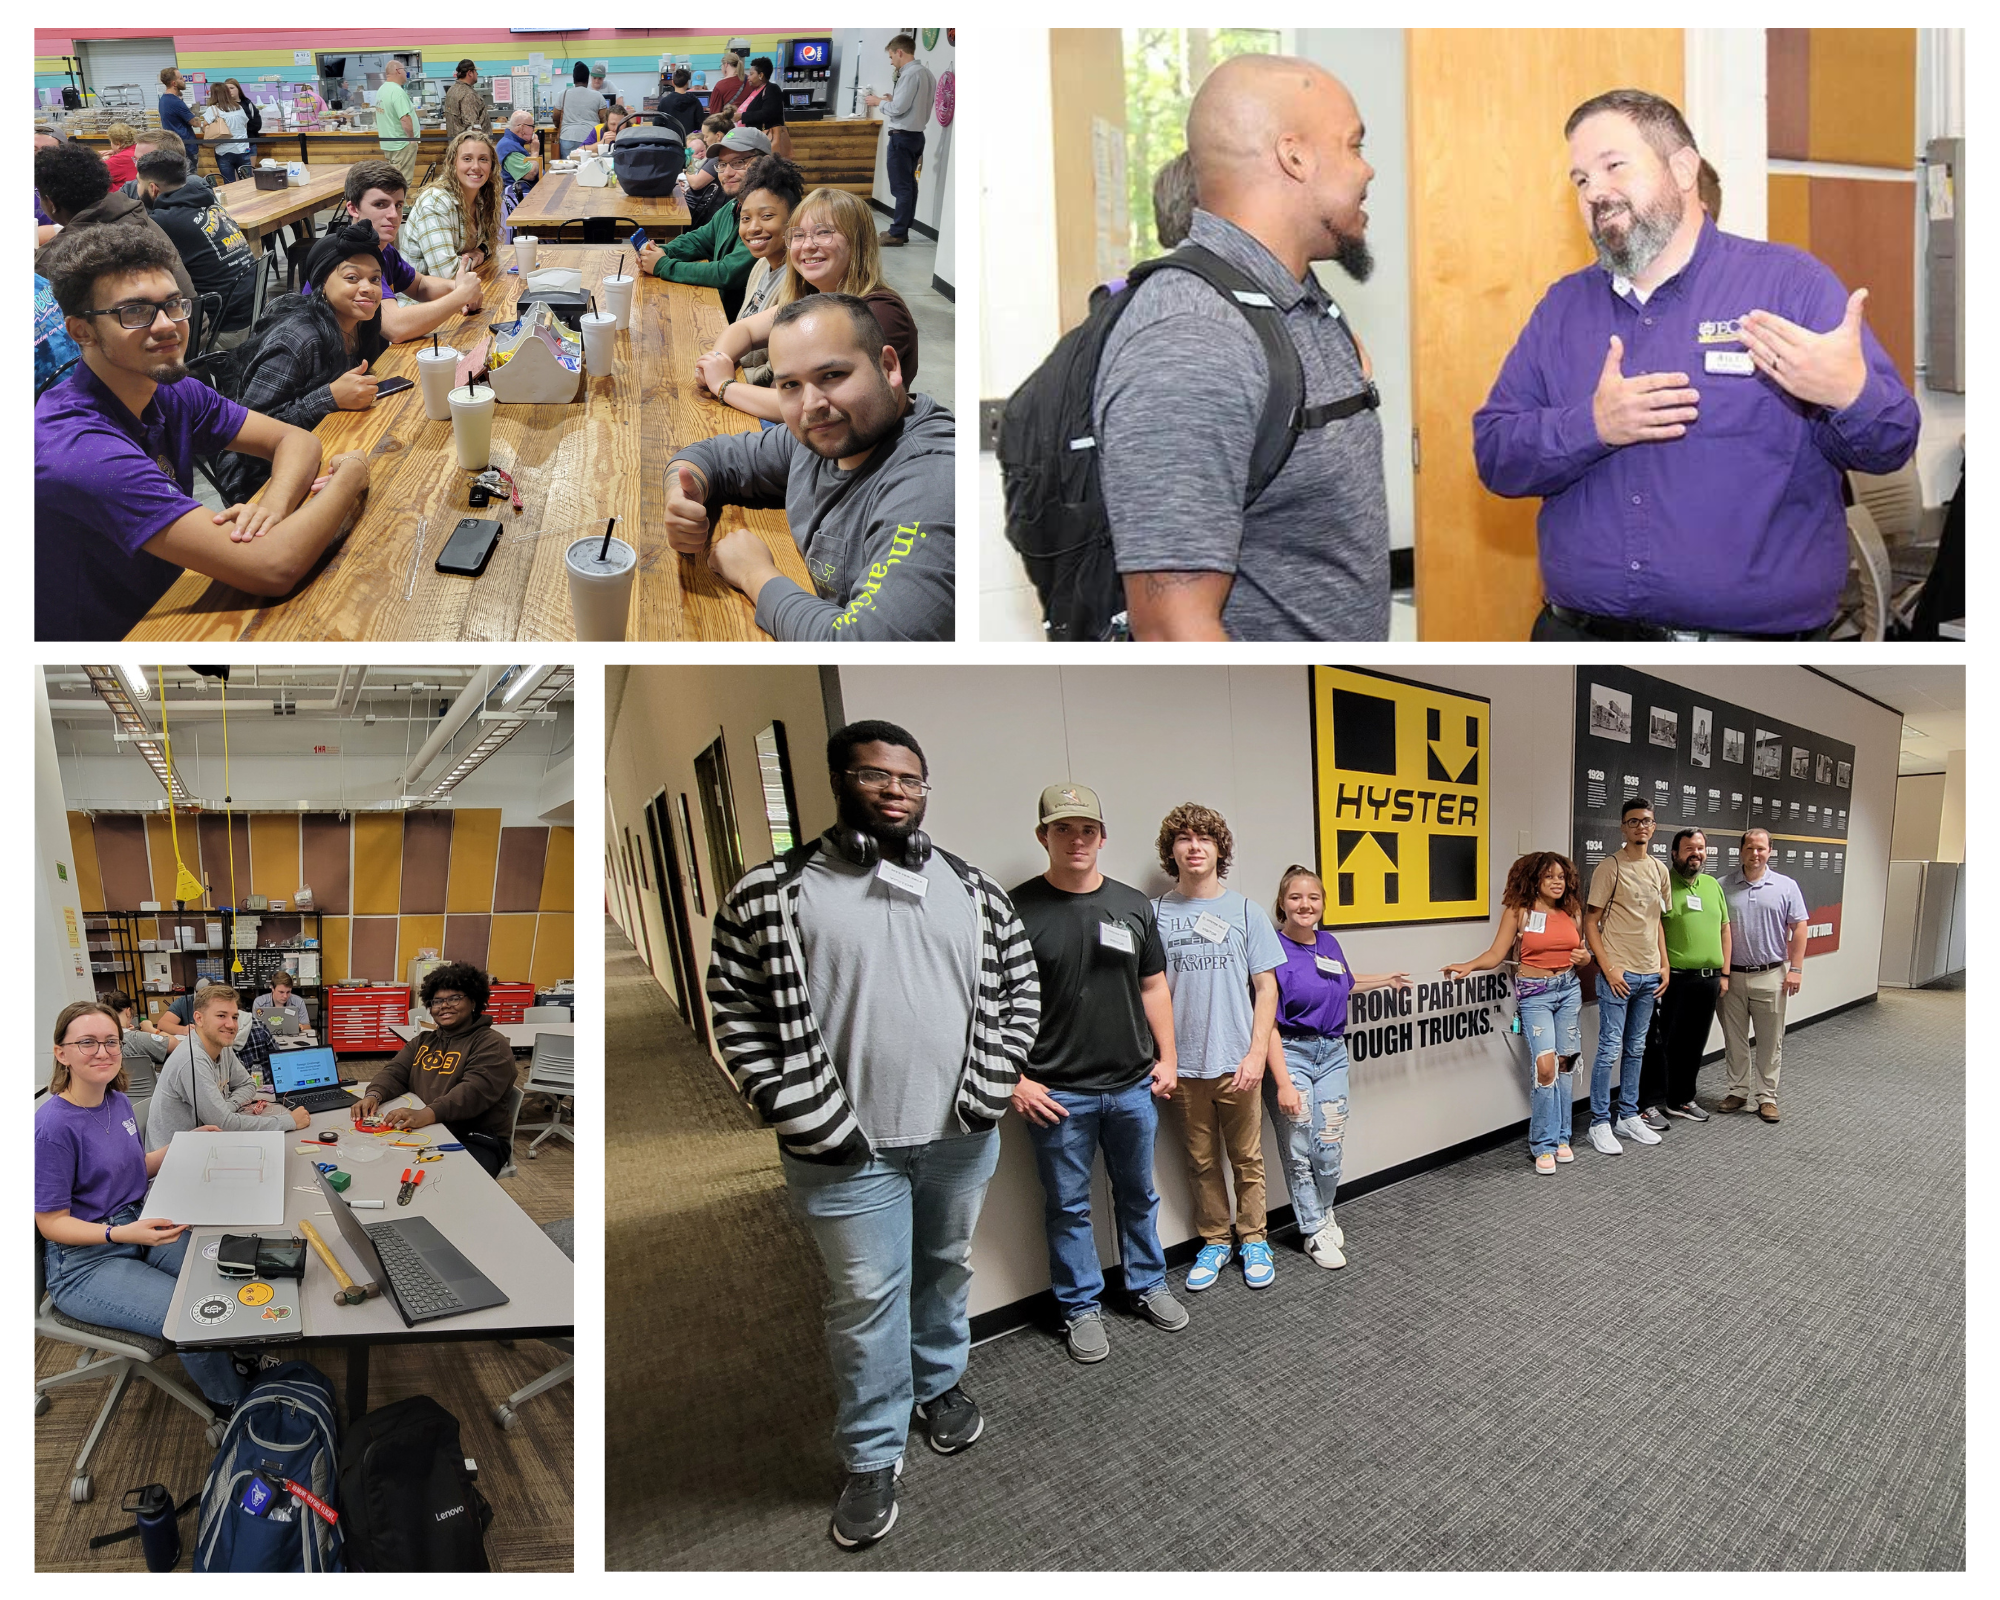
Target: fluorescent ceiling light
x,y
135,680
526,678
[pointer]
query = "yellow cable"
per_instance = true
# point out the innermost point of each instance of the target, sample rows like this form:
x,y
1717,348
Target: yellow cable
x,y
229,825
186,886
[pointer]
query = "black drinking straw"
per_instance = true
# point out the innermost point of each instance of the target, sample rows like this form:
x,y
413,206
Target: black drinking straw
x,y
604,550
593,305
621,265
434,346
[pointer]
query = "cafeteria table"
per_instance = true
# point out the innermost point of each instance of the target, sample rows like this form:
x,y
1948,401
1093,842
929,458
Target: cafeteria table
x,y
260,211
574,465
558,198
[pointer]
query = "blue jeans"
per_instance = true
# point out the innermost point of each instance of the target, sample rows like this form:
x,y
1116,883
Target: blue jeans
x,y
1318,1069
1551,1022
1621,1030
130,1286
906,150
1122,1125
233,166
896,1235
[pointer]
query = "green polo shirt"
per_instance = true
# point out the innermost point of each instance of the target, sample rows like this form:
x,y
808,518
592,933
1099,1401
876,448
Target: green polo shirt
x,y
1694,926
392,104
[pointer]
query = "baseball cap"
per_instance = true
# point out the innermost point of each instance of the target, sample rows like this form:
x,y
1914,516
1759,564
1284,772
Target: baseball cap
x,y
1069,800
752,139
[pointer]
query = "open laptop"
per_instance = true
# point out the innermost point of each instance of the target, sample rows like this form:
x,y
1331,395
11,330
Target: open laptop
x,y
309,1079
279,1024
421,1272
223,1310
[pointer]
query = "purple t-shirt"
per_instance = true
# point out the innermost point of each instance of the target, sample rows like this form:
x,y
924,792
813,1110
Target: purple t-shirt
x,y
397,274
106,482
1308,995
89,1160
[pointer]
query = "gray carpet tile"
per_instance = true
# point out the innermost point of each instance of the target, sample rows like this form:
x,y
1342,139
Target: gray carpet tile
x,y
1741,1348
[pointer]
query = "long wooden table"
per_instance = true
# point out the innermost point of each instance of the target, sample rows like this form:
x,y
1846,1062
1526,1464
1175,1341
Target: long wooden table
x,y
558,198
575,465
260,211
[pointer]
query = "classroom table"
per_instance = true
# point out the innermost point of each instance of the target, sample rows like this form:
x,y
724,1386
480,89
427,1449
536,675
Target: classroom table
x,y
260,211
521,1035
574,465
470,1209
558,198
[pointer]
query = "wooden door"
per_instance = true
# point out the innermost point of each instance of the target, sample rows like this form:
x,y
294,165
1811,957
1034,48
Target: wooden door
x,y
1492,225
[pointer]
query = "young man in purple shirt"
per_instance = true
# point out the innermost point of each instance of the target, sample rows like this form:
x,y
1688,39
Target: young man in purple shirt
x,y
115,515
1685,408
374,194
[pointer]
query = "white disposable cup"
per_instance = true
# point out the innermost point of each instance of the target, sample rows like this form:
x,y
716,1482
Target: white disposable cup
x,y
436,373
472,426
600,343
618,296
600,591
524,252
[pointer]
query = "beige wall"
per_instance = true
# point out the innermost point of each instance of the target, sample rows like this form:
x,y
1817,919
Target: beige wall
x,y
1951,809
1919,803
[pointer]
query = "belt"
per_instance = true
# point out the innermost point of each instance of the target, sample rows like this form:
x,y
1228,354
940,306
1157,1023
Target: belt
x,y
1705,972
1766,967
1626,630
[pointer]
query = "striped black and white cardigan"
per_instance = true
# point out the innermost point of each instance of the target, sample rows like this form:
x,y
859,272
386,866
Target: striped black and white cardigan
x,y
771,1042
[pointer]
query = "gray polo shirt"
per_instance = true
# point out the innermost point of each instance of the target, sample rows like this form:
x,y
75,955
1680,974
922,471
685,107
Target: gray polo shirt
x,y
1762,915
909,107
1180,391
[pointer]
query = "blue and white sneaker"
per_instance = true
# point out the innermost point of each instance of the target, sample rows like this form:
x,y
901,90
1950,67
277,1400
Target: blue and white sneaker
x,y
1207,1267
1258,1270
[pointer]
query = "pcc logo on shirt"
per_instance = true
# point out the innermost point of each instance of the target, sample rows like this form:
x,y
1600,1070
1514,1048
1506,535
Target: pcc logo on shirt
x,y
1726,330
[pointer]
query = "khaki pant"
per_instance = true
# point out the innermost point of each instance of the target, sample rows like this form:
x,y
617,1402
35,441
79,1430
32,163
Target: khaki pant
x,y
1217,1118
403,158
1757,997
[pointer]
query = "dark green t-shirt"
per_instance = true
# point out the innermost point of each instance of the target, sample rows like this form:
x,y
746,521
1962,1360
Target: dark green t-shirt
x,y
1094,1037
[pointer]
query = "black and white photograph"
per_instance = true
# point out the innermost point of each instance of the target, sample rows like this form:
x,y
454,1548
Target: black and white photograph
x,y
1822,769
1610,713
1801,763
1732,745
1845,777
1701,751
1663,727
1770,753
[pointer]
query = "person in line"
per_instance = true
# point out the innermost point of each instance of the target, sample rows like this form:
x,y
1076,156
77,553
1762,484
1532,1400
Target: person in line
x,y
713,255
461,1070
205,1084
464,106
1222,957
875,1000
106,1264
677,106
912,92
116,520
253,115
729,86
577,112
374,195
145,1046
279,997
762,106
453,225
175,117
312,353
1540,916
217,256
831,245
1770,931
1104,1055
520,158
1696,924
120,156
75,185
1305,1084
1276,148
863,471
396,121
1685,408
703,181
226,125
1622,925
599,72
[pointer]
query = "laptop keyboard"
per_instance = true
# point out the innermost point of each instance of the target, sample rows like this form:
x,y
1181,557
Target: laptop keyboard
x,y
321,1100
420,1290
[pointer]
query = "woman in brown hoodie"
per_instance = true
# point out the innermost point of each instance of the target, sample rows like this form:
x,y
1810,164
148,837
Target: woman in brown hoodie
x,y
461,1071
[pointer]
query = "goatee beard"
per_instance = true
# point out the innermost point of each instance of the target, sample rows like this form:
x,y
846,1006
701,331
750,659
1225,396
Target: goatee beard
x,y
1352,256
854,814
1647,234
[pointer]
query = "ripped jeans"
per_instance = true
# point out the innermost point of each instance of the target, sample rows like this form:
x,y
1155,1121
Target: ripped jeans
x,y
1317,1065
1550,1010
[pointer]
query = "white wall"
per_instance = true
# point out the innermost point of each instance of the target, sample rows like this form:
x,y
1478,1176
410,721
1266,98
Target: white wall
x,y
1148,738
863,58
1951,810
62,969
1018,318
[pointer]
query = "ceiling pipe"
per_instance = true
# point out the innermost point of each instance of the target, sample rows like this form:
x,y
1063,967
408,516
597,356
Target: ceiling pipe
x,y
461,712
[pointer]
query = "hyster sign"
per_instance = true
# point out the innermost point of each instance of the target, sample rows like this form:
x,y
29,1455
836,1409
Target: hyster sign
x,y
1400,772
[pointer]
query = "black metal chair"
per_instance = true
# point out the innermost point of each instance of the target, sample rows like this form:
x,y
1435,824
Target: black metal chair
x,y
206,325
594,230
218,370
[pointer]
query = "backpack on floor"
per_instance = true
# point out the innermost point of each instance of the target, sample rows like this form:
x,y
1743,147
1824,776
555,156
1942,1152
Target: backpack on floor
x,y
1048,455
407,1498
648,160
282,1430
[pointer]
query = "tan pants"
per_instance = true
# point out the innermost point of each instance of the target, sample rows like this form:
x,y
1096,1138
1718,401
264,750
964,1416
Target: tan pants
x,y
1757,997
403,158
1219,1119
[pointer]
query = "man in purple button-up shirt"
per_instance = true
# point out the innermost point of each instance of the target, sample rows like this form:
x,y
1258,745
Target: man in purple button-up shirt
x,y
1685,407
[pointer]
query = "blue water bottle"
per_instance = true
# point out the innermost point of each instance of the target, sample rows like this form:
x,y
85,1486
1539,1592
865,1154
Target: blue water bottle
x,y
159,1528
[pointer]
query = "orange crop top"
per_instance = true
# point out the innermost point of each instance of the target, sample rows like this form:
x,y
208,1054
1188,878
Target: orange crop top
x,y
1549,949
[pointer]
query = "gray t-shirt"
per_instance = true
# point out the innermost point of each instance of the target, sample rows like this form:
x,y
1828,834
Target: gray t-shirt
x,y
892,980
579,110
1208,973
1180,392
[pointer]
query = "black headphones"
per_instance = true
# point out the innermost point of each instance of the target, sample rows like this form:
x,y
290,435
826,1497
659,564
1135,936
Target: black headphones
x,y
864,849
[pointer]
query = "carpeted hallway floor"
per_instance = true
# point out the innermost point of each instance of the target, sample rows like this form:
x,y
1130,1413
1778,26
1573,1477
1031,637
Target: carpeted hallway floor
x,y
1742,1348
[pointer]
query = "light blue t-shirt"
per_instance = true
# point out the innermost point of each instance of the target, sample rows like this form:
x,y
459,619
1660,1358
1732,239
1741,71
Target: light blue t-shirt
x,y
1209,977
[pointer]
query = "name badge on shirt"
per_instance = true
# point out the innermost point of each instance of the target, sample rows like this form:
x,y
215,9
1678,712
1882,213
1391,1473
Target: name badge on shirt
x,y
1666,905
1211,927
1736,361
1116,936
1538,922
1331,967
903,880
1694,902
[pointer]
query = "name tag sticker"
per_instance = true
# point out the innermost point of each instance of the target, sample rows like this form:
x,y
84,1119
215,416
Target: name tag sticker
x,y
1733,361
1666,905
1211,927
1331,967
903,880
1116,936
1694,902
1538,922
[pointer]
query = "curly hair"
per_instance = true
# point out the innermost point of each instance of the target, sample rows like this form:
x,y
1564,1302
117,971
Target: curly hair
x,y
1524,882
463,976
1191,818
478,217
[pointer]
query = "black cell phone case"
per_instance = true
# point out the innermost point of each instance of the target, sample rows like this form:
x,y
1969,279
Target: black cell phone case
x,y
469,548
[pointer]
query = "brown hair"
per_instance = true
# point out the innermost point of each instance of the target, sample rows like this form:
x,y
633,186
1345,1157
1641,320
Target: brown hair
x,y
366,175
1190,818
222,96
718,125
1524,882
1658,119
902,42
59,1079
205,1001
1285,883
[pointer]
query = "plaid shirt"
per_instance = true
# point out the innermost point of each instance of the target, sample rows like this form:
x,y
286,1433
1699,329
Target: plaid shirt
x,y
433,235
254,1051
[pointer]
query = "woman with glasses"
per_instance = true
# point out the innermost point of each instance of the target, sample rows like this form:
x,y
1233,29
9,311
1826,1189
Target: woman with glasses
x,y
1539,929
765,204
106,1264
460,1072
831,246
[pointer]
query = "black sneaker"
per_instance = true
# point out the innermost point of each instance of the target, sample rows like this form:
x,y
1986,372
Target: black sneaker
x,y
866,1508
952,1421
1691,1111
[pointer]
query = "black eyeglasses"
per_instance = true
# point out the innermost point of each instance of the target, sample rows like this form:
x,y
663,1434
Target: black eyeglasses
x,y
141,313
873,778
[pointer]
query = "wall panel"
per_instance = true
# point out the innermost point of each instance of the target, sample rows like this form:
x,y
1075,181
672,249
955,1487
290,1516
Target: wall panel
x,y
555,948
325,843
378,863
1863,103
426,862
274,855
466,936
123,860
333,949
220,834
510,952
374,950
518,883
475,851
559,871
416,935
83,862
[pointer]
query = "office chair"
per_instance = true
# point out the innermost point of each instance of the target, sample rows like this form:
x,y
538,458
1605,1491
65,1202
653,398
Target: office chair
x,y
514,1100
546,1014
552,1072
563,1233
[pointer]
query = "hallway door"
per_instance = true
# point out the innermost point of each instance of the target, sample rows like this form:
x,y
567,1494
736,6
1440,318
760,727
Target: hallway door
x,y
673,910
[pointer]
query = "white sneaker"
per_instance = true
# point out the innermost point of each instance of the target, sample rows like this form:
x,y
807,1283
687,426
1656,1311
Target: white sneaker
x,y
1324,1248
1637,1131
1331,1229
1602,1141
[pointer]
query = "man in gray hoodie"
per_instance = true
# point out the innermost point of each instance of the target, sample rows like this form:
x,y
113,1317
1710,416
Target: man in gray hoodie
x,y
203,1085
864,472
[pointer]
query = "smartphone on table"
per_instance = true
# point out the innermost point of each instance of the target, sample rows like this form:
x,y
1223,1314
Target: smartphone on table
x,y
389,386
469,548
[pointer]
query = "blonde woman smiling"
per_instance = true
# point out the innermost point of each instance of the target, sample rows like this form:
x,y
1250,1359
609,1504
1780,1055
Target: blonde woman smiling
x,y
457,217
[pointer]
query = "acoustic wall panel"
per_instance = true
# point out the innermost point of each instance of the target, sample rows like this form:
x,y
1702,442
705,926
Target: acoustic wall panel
x,y
417,935
518,884
1863,105
426,862
510,952
466,935
1788,120
160,853
373,946
475,851
123,861
325,843
378,863
220,835
83,862
274,855
333,947
559,871
555,948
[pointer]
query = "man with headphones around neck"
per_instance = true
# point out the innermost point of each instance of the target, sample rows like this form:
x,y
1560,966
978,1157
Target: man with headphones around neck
x,y
875,999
